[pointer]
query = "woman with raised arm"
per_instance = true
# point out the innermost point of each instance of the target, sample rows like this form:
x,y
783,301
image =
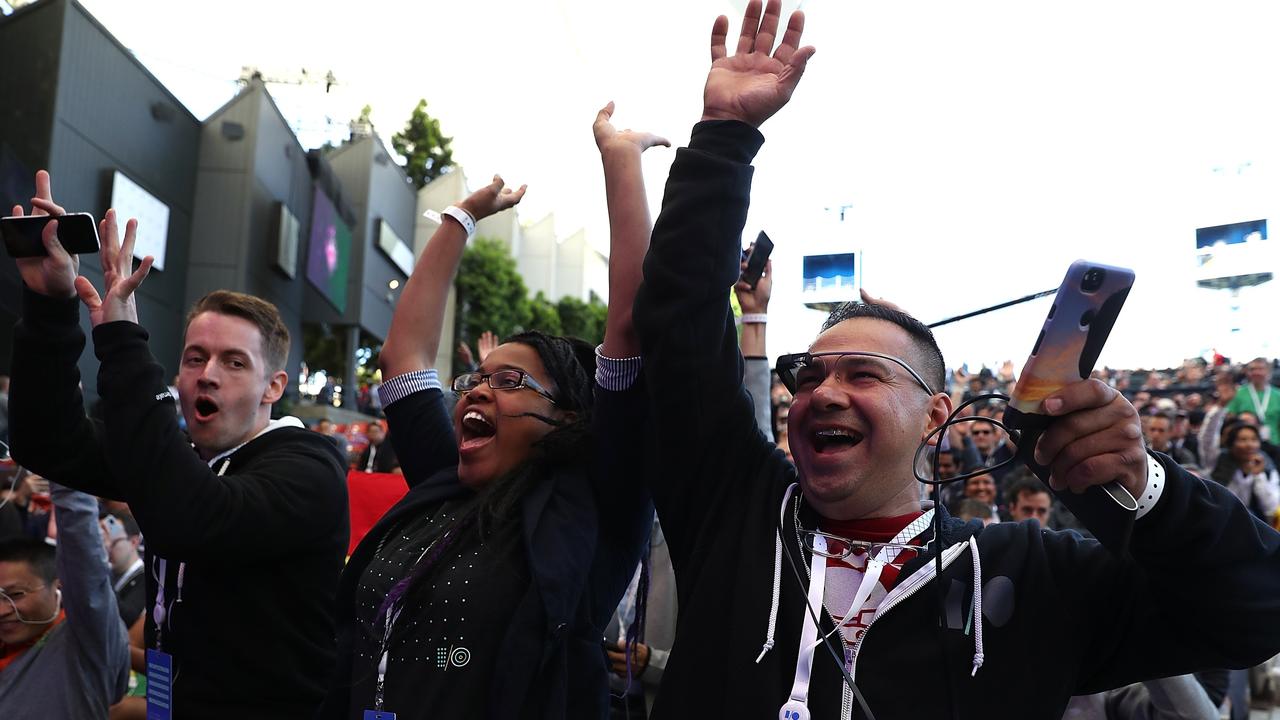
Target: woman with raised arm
x,y
485,591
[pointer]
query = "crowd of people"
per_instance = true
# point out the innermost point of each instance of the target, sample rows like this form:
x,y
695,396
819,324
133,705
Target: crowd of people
x,y
670,523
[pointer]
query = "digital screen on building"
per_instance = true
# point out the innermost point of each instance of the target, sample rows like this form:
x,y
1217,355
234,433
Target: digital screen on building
x,y
329,252
395,248
1234,250
131,201
830,279
287,227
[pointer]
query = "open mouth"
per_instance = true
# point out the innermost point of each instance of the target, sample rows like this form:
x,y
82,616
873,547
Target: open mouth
x,y
834,440
205,408
477,431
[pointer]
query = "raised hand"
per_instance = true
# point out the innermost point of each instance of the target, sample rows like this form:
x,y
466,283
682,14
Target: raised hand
x,y
609,138
488,342
118,275
464,354
492,199
55,274
757,300
752,84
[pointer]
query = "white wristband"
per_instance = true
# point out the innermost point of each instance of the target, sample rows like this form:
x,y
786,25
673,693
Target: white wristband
x,y
463,217
760,318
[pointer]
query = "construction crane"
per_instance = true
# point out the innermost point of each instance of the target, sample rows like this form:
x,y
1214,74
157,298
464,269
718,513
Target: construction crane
x,y
248,73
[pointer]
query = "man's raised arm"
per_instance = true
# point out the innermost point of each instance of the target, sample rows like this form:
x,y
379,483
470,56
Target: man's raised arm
x,y
687,333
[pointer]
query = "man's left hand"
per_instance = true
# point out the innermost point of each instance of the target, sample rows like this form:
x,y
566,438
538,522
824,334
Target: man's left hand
x,y
118,274
1096,438
639,660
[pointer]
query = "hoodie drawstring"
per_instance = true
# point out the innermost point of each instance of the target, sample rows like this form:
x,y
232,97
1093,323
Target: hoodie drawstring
x,y
777,572
978,656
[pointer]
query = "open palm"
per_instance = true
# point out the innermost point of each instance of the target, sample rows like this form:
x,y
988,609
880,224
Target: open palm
x,y
752,84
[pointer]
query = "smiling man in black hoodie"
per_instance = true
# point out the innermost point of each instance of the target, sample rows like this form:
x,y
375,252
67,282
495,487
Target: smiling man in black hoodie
x,y
245,520
810,562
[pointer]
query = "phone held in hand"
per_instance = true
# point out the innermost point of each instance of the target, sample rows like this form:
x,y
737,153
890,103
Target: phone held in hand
x,y
760,252
77,232
1084,310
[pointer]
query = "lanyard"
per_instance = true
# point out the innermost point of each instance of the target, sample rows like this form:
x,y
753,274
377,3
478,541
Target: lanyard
x,y
393,614
373,452
1261,405
160,613
797,706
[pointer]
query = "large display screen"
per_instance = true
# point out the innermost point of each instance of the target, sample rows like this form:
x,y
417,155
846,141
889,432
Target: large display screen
x,y
830,279
131,201
1227,254
395,248
329,254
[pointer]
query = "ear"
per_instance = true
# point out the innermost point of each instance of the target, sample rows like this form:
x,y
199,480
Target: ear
x,y
939,410
276,384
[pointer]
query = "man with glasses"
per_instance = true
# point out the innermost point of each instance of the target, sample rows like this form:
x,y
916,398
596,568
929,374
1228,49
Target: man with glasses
x,y
63,651
813,590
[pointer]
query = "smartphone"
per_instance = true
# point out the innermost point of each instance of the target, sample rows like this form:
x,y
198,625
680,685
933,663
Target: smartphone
x,y
1084,310
760,252
77,232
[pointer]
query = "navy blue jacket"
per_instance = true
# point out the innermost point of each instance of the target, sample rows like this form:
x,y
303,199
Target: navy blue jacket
x,y
583,535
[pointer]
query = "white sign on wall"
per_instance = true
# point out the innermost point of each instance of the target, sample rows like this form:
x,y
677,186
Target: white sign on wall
x,y
131,201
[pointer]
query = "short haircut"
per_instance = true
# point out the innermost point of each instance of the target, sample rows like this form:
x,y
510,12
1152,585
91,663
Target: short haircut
x,y
932,367
1024,484
38,554
1160,415
264,316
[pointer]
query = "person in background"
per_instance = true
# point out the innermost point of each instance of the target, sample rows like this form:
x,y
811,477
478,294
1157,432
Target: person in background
x,y
121,537
63,651
1029,499
1215,419
1259,397
969,509
1247,472
379,456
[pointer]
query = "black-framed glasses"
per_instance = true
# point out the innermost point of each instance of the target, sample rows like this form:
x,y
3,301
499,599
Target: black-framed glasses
x,y
801,372
506,379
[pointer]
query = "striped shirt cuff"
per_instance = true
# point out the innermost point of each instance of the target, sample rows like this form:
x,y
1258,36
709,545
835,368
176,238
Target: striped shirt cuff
x,y
616,374
407,384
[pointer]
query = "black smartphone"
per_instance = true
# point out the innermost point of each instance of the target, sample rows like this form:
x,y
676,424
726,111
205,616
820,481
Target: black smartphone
x,y
77,232
760,252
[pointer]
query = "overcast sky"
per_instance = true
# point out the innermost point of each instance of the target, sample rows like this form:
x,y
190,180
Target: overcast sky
x,y
981,146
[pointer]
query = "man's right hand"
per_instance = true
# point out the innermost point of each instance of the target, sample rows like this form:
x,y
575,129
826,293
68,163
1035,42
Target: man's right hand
x,y
55,274
752,85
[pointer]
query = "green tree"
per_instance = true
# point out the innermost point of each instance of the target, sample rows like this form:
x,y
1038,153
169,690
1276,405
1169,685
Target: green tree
x,y
582,319
491,293
544,316
425,149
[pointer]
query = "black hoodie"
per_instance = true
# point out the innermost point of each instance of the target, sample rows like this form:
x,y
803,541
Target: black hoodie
x,y
1062,615
259,536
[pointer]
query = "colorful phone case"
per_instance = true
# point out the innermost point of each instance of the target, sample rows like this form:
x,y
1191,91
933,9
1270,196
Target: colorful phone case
x,y
1083,313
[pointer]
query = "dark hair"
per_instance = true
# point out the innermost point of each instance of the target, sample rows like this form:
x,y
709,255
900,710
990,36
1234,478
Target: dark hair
x,y
1196,417
1023,484
264,315
39,554
930,357
571,364
1226,465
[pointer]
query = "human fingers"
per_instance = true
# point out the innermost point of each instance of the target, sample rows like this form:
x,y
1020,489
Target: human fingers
x,y
1126,465
768,27
750,26
87,293
1117,417
44,189
47,206
17,211
719,31
52,245
124,259
1081,395
791,38
131,283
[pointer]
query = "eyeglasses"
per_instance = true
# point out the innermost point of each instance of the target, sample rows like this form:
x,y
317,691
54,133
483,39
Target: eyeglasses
x,y
802,372
508,379
840,548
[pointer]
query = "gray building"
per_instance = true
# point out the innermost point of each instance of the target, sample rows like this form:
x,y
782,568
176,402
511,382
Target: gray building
x,y
254,194
384,204
79,104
